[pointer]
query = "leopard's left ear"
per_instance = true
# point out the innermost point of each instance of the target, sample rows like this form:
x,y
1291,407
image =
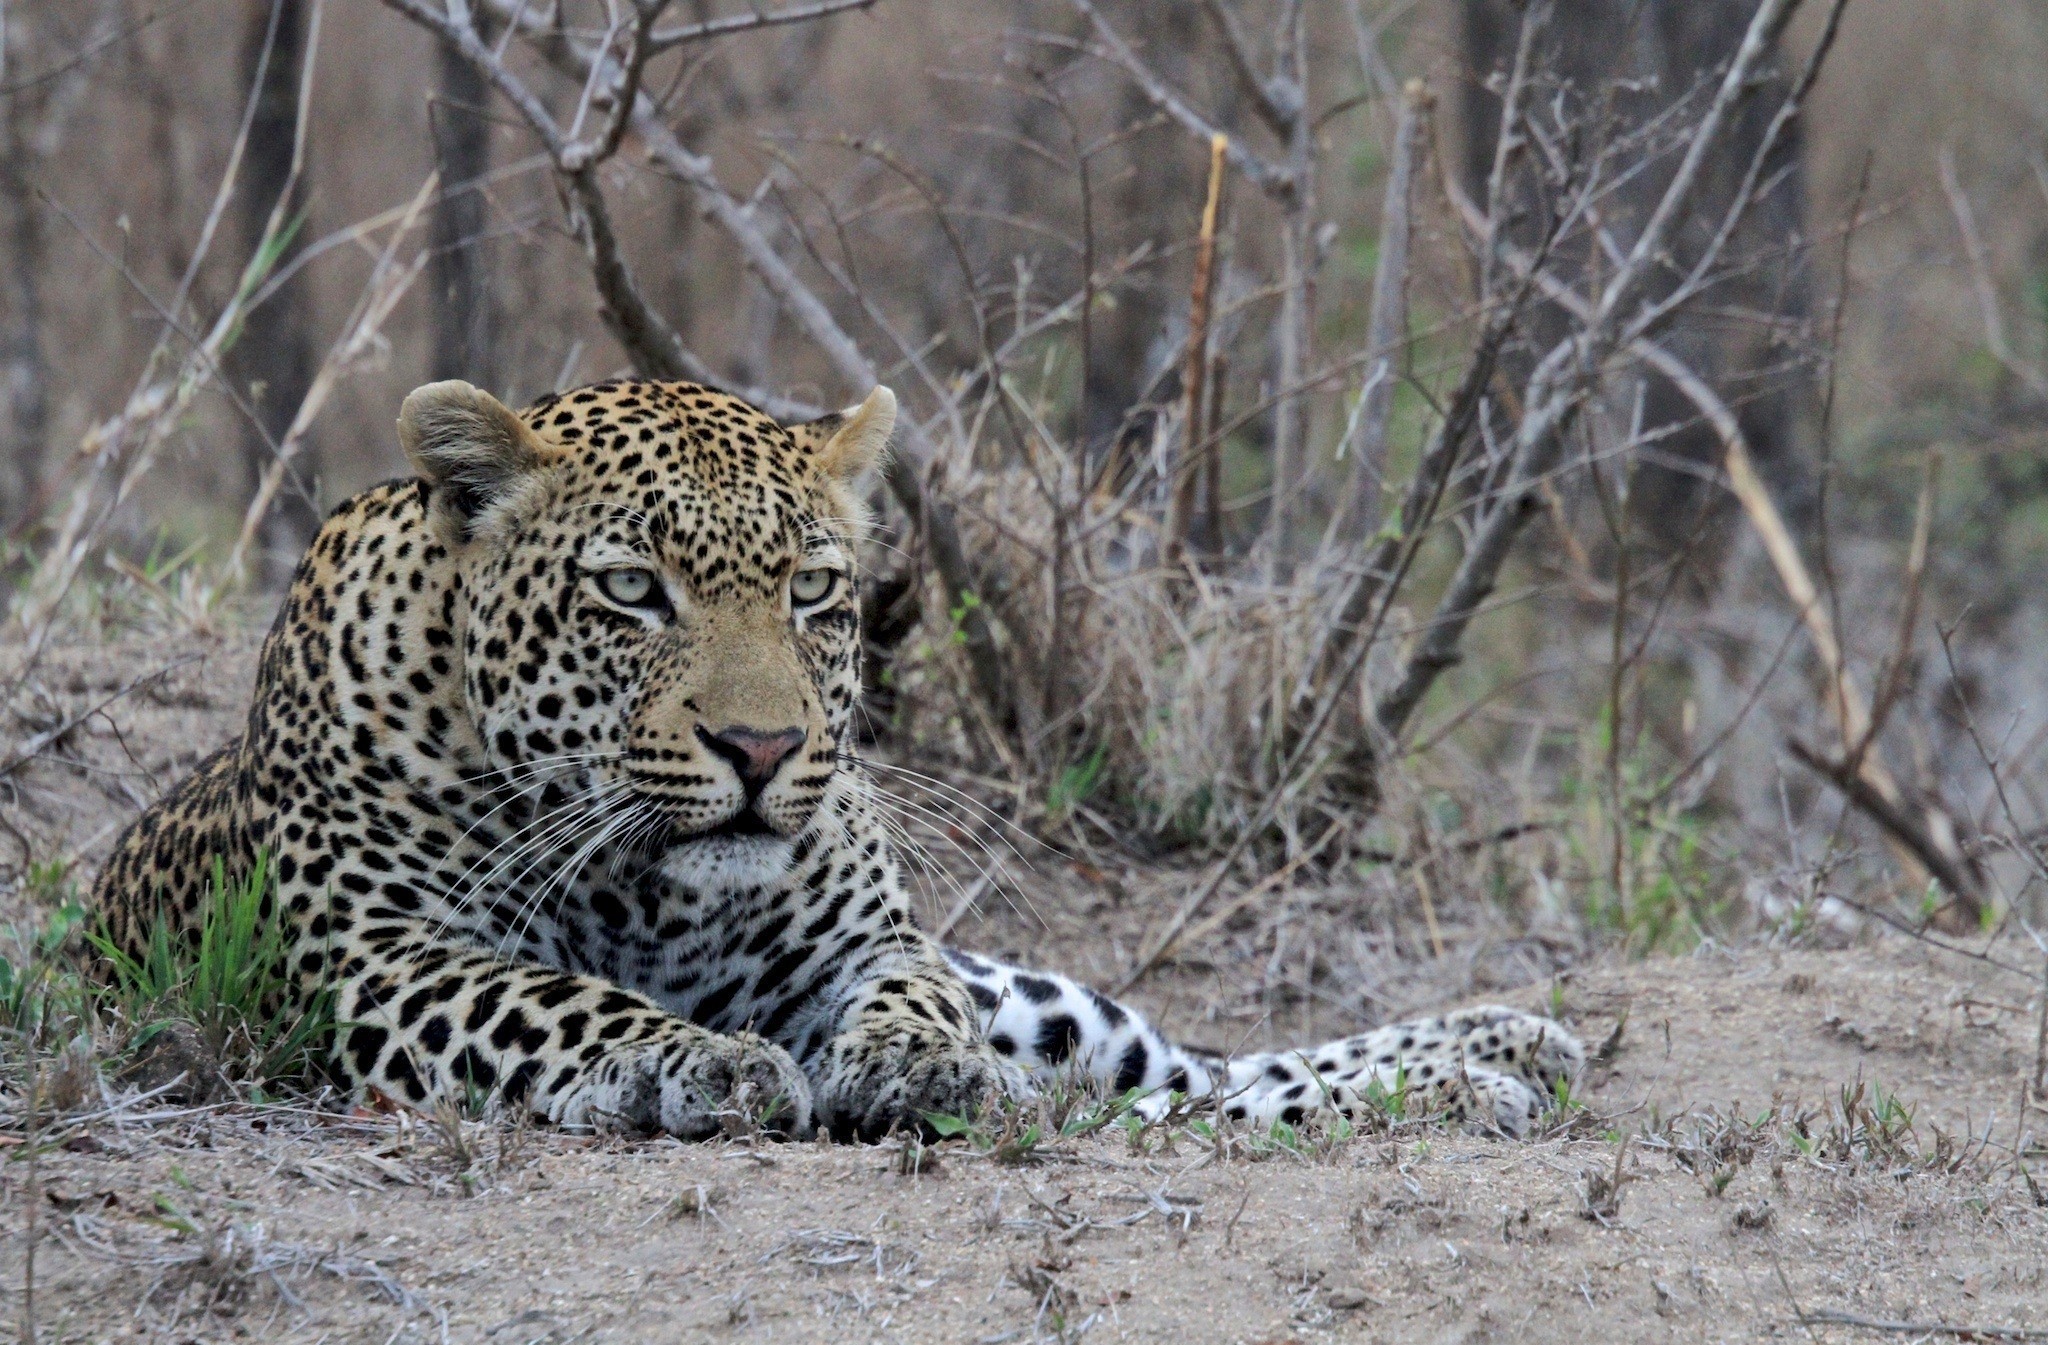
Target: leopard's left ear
x,y
847,443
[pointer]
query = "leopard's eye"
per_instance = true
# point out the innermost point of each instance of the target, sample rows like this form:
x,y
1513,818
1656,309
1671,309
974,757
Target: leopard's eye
x,y
630,587
811,587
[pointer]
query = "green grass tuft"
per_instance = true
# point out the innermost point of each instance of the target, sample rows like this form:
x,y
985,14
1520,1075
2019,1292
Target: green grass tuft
x,y
230,981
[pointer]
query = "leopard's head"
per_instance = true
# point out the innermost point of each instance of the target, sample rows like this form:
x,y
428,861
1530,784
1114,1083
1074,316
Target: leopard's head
x,y
655,597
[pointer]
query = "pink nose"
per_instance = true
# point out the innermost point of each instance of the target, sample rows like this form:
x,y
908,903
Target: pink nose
x,y
755,755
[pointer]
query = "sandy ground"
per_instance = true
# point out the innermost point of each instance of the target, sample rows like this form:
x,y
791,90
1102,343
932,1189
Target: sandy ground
x,y
1749,1198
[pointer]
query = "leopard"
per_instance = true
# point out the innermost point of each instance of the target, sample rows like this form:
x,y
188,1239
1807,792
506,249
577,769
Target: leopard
x,y
551,759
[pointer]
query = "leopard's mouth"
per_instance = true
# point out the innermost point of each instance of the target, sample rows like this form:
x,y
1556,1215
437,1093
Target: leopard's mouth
x,y
746,824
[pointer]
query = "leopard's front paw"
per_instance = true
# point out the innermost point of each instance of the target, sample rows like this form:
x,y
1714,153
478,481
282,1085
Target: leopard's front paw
x,y
873,1087
694,1086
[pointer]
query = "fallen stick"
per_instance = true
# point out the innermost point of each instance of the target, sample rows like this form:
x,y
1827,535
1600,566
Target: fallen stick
x,y
1831,1317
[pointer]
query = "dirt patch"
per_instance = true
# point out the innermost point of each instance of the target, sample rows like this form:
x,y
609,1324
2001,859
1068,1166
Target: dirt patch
x,y
1808,1132
285,1226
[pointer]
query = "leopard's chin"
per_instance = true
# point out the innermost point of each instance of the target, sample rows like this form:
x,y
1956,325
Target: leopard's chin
x,y
722,860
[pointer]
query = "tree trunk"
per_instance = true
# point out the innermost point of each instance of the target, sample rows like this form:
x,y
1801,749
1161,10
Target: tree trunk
x,y
272,362
24,378
1297,314
465,303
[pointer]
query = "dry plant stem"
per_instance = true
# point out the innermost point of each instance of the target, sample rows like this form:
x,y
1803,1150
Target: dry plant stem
x,y
1613,513
648,338
34,1191
2040,1096
1181,507
1893,680
1422,890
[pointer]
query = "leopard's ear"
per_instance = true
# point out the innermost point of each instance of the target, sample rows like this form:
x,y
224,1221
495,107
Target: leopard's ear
x,y
469,447
847,443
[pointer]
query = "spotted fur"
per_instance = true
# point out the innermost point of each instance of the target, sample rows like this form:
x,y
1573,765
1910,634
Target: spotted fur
x,y
550,746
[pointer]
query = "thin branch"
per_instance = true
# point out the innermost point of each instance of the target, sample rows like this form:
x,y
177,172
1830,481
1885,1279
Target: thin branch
x,y
1271,178
1278,109
1753,188
1757,43
1831,1317
1534,20
1853,719
750,22
1181,503
1558,388
1893,680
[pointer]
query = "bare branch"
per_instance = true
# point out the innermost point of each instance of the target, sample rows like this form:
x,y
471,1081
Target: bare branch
x,y
1899,826
1534,20
1558,388
1752,187
746,23
1893,679
1764,29
463,37
1854,720
1980,276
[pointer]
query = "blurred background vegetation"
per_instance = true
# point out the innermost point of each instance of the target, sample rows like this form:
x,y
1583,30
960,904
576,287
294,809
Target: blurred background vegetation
x,y
331,206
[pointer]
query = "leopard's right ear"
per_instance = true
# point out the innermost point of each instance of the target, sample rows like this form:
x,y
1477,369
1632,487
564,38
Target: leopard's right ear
x,y
469,447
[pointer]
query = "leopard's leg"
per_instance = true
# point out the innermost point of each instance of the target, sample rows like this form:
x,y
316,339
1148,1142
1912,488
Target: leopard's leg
x,y
1045,1022
1495,1068
1492,1067
161,869
1540,1051
898,1042
427,1016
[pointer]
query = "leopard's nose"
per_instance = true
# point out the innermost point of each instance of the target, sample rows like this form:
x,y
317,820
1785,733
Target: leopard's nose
x,y
755,754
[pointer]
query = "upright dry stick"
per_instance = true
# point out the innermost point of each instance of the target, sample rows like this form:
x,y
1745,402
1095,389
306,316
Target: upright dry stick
x,y
1181,503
